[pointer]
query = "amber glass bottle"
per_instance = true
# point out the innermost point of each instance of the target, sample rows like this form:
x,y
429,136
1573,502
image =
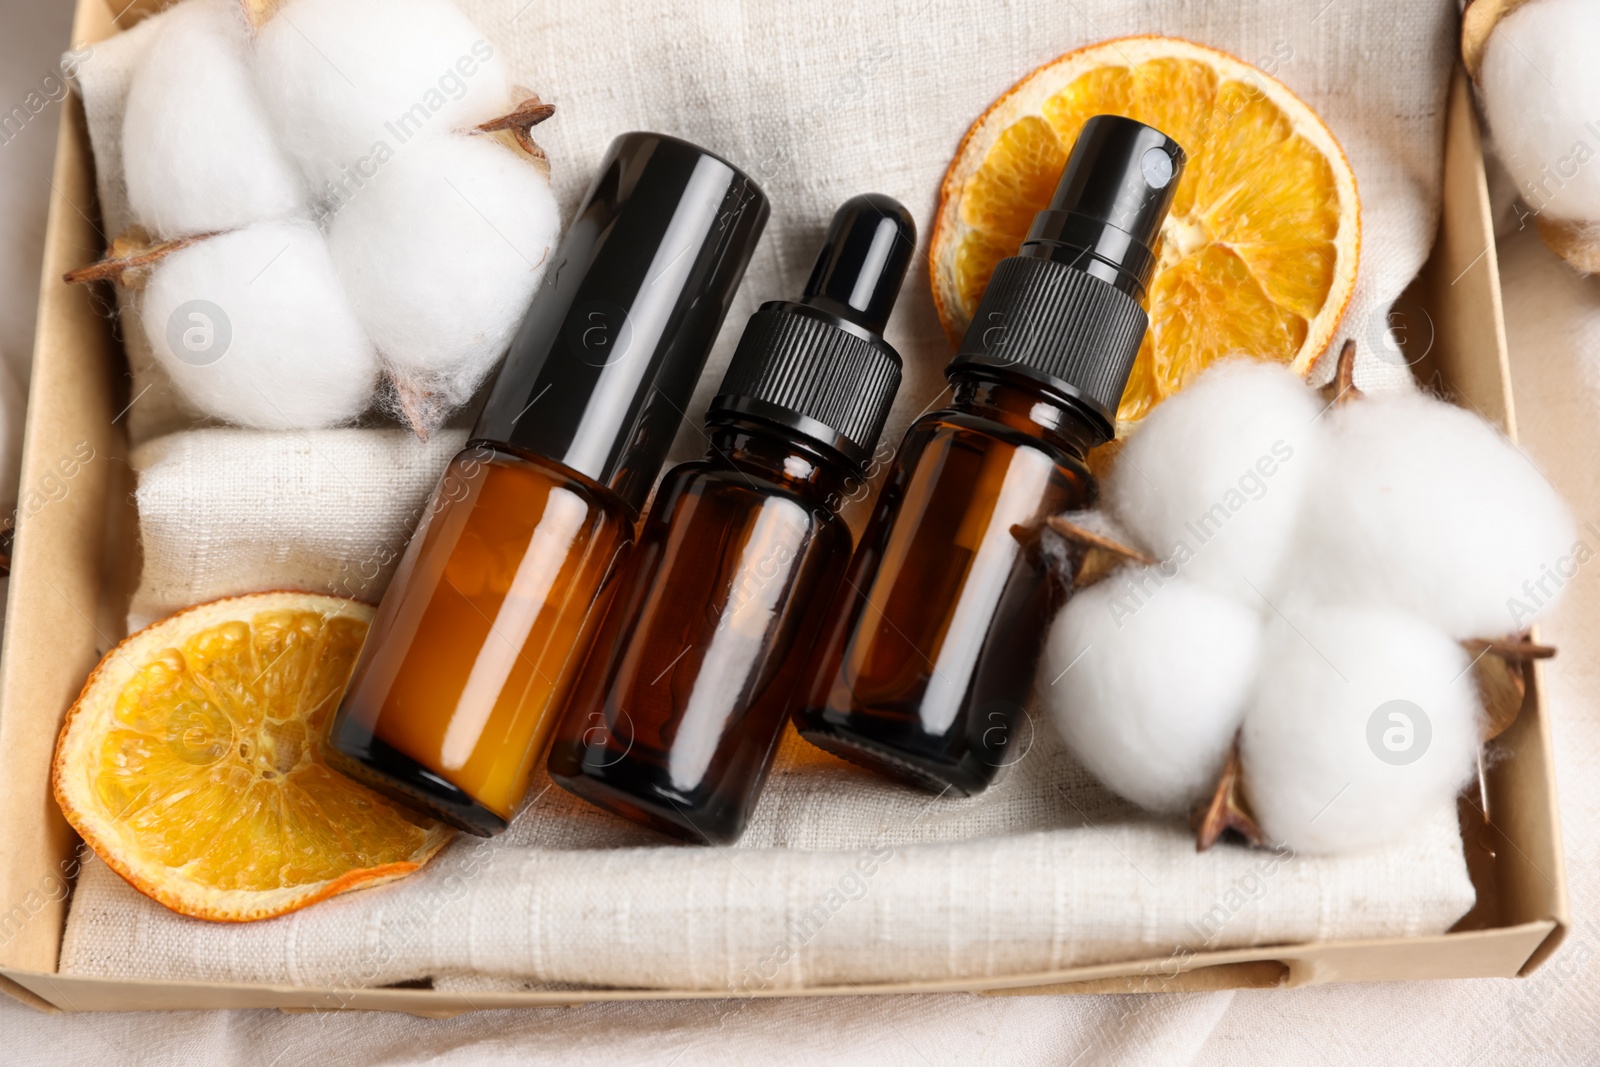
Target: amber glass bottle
x,y
678,711
929,655
498,594
492,608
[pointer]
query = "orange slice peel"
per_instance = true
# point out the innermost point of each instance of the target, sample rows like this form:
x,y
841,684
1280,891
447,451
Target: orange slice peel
x,y
191,762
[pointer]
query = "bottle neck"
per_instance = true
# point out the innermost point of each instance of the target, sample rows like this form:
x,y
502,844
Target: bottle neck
x,y
1097,248
1026,409
777,456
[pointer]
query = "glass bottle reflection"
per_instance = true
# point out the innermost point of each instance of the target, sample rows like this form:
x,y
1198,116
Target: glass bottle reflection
x,y
492,608
679,709
932,646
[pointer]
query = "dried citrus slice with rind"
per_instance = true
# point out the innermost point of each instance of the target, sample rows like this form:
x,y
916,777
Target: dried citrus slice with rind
x,y
1258,256
191,762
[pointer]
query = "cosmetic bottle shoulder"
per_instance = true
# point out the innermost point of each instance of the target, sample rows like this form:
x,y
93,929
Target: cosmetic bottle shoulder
x,y
1018,414
507,462
756,461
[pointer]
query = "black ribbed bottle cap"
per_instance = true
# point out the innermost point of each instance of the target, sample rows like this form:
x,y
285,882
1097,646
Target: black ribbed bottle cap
x,y
821,367
1065,311
603,366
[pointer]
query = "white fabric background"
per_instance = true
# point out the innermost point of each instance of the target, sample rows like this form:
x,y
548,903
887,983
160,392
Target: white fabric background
x,y
1552,1017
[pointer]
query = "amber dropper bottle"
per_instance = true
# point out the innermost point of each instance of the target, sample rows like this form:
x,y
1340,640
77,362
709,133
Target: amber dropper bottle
x,y
494,603
674,720
930,652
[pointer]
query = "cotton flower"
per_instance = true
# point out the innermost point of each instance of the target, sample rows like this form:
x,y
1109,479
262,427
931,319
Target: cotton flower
x,y
361,118
440,254
349,83
1146,677
1390,530
1540,82
1214,479
198,154
1425,507
253,327
1364,721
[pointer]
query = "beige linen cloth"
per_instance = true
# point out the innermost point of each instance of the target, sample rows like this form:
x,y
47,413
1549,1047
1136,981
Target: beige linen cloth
x,y
1551,1017
350,497
842,878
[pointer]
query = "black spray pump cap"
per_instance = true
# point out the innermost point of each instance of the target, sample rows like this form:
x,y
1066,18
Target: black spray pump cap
x,y
1065,312
821,367
603,366
1108,207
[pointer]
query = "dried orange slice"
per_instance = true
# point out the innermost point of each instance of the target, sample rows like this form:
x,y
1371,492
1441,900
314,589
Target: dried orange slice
x,y
1258,256
191,762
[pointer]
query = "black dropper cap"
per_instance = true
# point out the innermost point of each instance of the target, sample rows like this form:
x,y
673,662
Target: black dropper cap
x,y
1065,312
603,366
821,367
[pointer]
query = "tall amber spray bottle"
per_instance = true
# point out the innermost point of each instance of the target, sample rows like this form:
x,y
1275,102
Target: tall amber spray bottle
x,y
498,594
934,638
675,717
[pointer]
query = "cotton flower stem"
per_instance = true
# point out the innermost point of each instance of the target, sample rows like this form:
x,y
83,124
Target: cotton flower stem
x,y
1501,670
125,260
1227,809
1519,647
1088,538
518,122
413,404
1344,377
1090,555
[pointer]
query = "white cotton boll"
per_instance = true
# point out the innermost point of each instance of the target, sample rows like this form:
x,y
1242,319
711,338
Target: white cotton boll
x,y
1213,480
1364,721
350,82
254,328
1425,507
1147,678
1540,83
198,153
441,254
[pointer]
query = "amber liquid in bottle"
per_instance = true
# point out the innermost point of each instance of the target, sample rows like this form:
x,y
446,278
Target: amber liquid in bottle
x,y
932,646
932,643
676,716
490,613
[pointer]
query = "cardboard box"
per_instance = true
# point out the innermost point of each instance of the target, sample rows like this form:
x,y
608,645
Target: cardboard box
x,y
76,551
